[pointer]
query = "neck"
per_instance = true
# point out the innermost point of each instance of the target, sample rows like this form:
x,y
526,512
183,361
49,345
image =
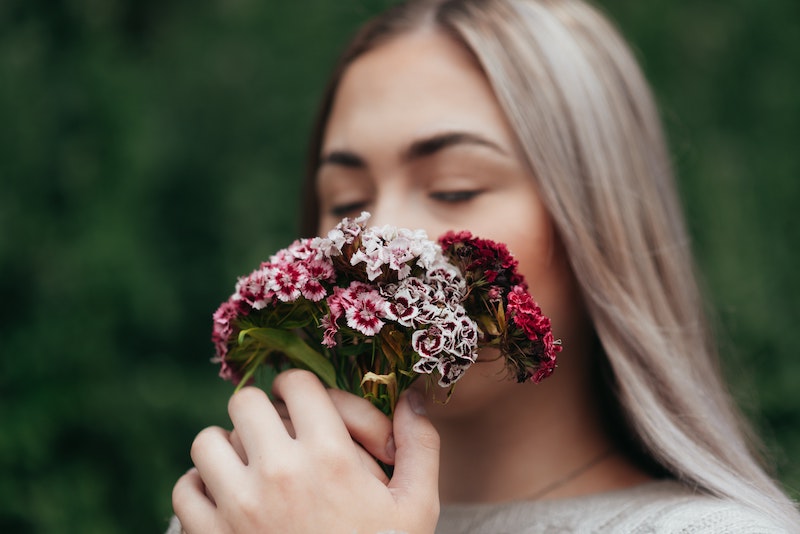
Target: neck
x,y
529,441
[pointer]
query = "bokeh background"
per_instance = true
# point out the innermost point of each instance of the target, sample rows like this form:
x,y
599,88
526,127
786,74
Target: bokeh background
x,y
151,151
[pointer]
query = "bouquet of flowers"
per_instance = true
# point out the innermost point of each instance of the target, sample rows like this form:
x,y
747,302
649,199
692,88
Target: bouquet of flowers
x,y
370,310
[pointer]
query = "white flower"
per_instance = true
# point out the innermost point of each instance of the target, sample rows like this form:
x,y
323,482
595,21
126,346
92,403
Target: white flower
x,y
373,263
332,245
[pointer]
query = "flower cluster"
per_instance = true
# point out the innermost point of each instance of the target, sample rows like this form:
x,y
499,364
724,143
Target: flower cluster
x,y
499,300
370,310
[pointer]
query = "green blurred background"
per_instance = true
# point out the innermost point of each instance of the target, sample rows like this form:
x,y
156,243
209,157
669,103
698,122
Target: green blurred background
x,y
151,151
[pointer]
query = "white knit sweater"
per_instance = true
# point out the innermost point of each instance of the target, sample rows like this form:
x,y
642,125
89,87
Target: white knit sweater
x,y
663,507
658,507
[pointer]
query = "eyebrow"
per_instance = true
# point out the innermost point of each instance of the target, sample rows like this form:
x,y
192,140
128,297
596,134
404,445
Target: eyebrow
x,y
343,158
431,145
417,150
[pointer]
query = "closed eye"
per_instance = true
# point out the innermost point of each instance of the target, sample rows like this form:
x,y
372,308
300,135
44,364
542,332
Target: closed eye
x,y
454,196
342,210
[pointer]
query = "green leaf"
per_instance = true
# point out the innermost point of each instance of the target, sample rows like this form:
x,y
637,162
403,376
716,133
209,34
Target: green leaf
x,y
297,350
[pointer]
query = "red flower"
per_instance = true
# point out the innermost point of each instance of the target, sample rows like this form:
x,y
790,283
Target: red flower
x,y
484,258
545,369
526,314
524,337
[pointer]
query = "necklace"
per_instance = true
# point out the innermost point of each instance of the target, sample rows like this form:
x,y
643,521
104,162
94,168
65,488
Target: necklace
x,y
572,475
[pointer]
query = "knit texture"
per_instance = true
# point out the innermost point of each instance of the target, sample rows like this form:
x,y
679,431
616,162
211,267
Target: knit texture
x,y
657,507
663,507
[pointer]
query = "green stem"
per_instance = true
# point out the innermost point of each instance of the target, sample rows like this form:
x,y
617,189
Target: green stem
x,y
249,374
294,348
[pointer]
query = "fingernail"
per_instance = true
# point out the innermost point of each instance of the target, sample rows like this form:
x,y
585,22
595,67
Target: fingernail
x,y
417,402
391,449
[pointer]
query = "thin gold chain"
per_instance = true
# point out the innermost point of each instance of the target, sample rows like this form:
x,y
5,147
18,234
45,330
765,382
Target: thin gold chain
x,y
572,475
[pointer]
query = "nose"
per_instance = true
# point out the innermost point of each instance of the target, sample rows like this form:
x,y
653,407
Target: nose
x,y
392,209
405,211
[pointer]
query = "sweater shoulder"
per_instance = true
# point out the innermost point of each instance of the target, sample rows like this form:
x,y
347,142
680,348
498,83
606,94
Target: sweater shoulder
x,y
664,507
682,511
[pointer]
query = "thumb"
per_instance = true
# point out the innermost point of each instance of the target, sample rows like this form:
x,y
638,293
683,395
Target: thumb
x,y
416,467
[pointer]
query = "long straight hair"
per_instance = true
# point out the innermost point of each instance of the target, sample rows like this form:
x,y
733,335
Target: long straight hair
x,y
591,134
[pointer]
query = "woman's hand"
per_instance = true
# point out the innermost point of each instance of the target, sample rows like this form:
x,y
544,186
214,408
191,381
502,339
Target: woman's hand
x,y
309,475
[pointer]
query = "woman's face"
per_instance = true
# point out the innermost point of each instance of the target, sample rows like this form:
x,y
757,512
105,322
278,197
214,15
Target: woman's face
x,y
417,138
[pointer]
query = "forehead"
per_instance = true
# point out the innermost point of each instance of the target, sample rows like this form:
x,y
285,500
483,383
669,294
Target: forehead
x,y
414,85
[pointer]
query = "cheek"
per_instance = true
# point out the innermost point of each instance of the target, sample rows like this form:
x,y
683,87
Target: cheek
x,y
543,263
553,286
326,224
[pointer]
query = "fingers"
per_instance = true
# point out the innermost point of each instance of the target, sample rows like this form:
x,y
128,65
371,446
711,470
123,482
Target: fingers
x,y
416,468
190,503
215,459
312,412
367,424
370,429
258,425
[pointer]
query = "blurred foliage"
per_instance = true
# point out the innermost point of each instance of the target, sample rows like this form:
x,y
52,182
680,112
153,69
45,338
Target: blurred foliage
x,y
151,150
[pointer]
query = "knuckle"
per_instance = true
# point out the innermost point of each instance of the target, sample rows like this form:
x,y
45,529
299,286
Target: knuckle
x,y
203,440
178,494
336,461
293,378
327,451
182,491
341,397
245,396
281,476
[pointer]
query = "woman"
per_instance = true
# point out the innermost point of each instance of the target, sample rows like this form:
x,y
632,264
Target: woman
x,y
527,122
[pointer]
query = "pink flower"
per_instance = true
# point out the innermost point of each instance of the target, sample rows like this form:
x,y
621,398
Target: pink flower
x,y
287,281
495,294
365,312
350,229
229,373
329,336
300,249
336,304
317,272
254,289
223,329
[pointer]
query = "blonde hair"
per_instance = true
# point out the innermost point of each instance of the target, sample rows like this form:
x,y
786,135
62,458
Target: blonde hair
x,y
586,121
